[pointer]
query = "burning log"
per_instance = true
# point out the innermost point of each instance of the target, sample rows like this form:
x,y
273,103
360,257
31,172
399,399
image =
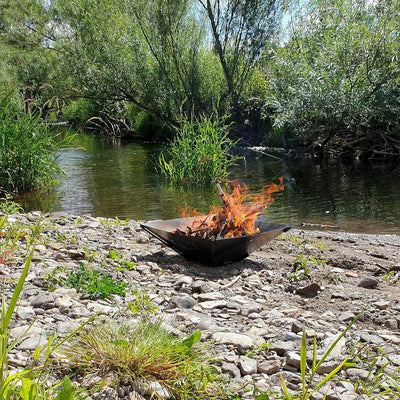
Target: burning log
x,y
237,216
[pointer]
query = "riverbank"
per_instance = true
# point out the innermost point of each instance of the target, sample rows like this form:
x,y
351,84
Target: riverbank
x,y
253,310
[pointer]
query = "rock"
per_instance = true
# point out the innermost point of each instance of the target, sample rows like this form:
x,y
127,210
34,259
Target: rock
x,y
248,366
32,342
44,301
210,296
309,290
269,366
391,323
368,282
183,281
200,287
242,342
213,304
185,302
293,359
346,317
356,374
382,305
25,313
79,312
207,324
231,369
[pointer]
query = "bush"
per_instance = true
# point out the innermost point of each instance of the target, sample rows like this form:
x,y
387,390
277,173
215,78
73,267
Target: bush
x,y
27,150
79,111
200,151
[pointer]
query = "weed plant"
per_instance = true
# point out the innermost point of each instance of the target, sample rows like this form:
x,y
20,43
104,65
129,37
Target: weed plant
x,y
95,284
141,354
200,152
27,150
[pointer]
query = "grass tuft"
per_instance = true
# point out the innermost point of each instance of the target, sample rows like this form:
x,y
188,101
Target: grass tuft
x,y
145,355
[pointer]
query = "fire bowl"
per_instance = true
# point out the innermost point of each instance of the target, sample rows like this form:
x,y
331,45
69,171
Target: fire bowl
x,y
212,252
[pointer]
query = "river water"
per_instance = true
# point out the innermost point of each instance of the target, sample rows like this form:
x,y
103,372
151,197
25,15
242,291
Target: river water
x,y
113,178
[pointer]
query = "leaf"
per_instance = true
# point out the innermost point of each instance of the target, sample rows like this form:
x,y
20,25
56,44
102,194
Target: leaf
x,y
191,340
27,387
112,254
262,397
67,392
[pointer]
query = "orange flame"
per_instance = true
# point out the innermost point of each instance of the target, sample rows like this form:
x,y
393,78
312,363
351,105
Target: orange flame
x,y
237,217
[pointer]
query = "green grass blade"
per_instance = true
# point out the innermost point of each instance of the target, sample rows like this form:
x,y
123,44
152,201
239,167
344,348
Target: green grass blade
x,y
285,390
303,361
17,291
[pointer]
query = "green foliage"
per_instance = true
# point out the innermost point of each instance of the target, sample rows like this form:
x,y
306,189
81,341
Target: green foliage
x,y
308,374
301,267
383,377
95,284
142,304
27,150
80,111
8,206
200,152
339,71
241,30
142,353
24,384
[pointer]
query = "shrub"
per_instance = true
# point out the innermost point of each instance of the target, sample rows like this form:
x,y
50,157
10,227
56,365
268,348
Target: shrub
x,y
200,151
27,150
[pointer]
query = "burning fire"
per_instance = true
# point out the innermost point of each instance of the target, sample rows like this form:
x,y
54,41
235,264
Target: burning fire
x,y
237,217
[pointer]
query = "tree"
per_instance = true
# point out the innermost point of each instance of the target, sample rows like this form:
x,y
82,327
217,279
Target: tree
x,y
240,30
336,80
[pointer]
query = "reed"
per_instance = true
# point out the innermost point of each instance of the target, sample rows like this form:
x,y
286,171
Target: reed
x,y
200,152
28,157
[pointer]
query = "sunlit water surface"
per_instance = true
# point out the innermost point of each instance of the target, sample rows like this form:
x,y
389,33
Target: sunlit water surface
x,y
112,178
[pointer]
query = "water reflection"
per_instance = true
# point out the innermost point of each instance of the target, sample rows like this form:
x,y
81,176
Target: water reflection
x,y
111,178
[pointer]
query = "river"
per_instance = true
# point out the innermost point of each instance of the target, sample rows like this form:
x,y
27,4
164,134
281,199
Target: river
x,y
114,178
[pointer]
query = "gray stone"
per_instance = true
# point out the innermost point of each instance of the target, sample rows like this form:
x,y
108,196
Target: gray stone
x,y
269,367
297,326
185,302
243,342
79,312
347,316
248,366
213,304
200,287
210,296
356,374
25,312
32,342
231,369
391,323
293,359
282,347
207,324
183,281
368,282
45,301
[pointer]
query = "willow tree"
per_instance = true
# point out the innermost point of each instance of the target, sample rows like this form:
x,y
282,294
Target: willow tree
x,y
240,31
336,82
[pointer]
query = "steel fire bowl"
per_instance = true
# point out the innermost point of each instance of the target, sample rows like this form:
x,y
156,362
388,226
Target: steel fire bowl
x,y
208,251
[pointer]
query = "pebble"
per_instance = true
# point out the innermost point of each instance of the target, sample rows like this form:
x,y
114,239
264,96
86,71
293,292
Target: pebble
x,y
254,325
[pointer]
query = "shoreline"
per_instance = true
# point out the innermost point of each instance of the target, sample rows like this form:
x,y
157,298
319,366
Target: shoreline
x,y
264,299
